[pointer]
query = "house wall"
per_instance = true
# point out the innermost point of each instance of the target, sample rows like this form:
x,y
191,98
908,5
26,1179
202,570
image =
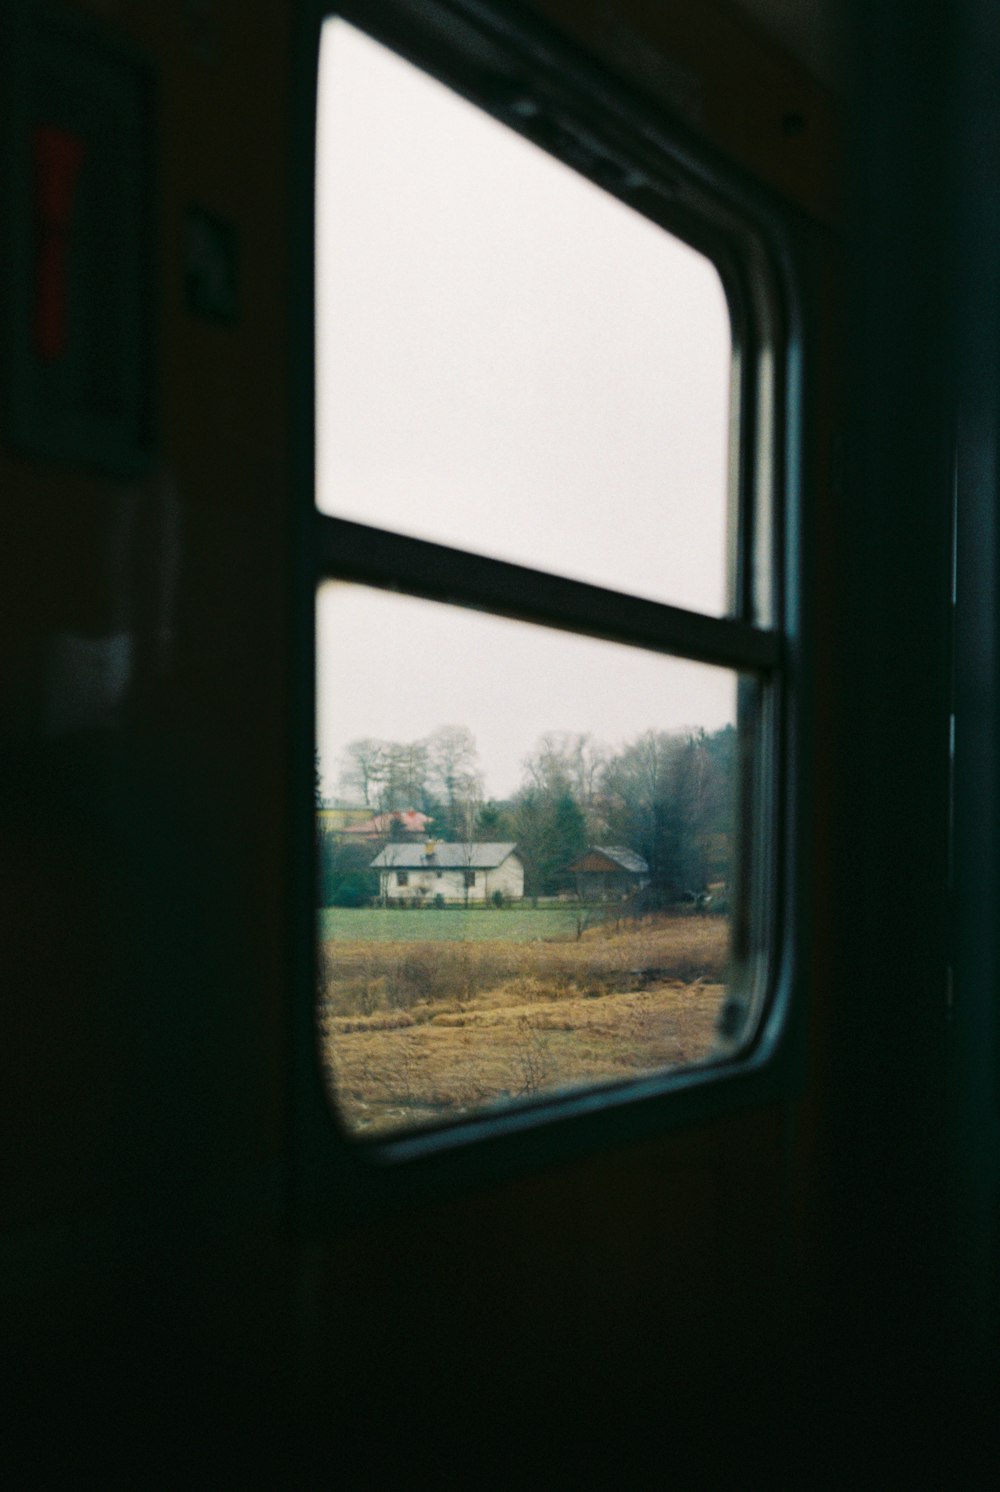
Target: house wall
x,y
508,878
447,883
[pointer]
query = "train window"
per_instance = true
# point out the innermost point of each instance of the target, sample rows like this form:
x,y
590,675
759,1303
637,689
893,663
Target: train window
x,y
546,706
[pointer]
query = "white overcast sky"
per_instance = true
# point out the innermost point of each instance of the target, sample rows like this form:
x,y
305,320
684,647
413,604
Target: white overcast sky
x,y
509,361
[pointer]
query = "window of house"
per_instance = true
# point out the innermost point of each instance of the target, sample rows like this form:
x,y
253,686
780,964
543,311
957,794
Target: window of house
x,y
546,413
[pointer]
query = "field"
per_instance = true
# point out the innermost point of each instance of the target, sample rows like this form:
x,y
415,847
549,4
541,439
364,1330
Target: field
x,y
418,1027
449,925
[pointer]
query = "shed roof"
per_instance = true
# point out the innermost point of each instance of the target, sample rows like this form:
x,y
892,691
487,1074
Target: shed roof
x,y
619,855
485,855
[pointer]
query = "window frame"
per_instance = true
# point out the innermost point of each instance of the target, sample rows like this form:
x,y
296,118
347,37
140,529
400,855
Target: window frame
x,y
518,72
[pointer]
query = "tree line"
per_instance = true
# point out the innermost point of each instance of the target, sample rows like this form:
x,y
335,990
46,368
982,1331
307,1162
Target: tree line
x,y
667,795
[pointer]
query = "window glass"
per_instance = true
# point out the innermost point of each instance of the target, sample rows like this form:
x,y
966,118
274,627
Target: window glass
x,y
526,857
510,360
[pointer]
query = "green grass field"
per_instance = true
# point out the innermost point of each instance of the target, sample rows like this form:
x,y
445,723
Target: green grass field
x,y
449,925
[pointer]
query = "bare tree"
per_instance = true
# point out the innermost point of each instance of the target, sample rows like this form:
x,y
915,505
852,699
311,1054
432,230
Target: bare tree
x,y
454,772
568,762
363,770
408,768
467,814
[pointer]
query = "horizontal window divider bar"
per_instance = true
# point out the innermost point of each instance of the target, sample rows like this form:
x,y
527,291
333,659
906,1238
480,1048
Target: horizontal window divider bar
x,y
416,567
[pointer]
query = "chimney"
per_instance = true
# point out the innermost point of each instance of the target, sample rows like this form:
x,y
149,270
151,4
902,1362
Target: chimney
x,y
430,849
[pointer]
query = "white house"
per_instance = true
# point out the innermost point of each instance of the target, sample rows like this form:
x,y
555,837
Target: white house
x,y
460,873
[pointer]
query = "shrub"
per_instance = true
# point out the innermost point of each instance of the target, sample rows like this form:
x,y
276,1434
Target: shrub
x,y
354,890
345,877
497,898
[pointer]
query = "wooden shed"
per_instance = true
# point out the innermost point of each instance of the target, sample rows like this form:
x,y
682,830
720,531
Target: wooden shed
x,y
607,872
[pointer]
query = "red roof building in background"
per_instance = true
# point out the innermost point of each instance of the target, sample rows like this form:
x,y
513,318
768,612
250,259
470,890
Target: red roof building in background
x,y
400,823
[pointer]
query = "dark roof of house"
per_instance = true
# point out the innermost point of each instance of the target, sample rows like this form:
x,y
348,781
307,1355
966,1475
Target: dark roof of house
x,y
479,856
620,854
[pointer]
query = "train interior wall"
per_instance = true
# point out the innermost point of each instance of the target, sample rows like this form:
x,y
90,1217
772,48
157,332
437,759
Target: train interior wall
x,y
768,1294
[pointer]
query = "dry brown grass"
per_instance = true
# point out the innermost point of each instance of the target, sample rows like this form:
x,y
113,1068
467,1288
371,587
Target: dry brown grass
x,y
363,977
413,1033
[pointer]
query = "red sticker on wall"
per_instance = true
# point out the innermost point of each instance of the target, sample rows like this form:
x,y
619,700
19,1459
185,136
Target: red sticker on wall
x,y
58,160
